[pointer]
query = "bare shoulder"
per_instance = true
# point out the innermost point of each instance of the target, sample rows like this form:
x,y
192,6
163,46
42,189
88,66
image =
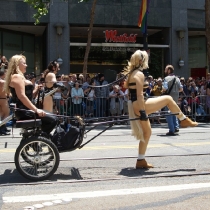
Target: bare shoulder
x,y
17,79
17,76
138,74
50,77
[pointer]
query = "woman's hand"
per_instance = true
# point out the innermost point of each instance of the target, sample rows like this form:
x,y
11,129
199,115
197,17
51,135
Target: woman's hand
x,y
40,112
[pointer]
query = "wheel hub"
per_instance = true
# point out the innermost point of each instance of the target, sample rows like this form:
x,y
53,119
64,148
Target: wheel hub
x,y
37,159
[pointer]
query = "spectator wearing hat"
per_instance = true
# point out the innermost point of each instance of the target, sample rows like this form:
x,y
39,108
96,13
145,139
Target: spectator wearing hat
x,y
116,102
102,95
157,90
81,79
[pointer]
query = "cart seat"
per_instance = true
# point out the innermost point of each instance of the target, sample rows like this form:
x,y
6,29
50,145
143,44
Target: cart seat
x,y
28,123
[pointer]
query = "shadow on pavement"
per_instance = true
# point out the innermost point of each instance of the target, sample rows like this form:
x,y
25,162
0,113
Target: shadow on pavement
x,y
12,176
132,172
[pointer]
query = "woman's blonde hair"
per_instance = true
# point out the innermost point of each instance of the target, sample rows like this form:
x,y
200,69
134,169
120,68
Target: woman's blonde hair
x,y
134,63
13,68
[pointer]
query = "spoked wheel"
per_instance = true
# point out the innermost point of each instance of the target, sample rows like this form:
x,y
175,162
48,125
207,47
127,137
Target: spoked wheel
x,y
26,153
37,158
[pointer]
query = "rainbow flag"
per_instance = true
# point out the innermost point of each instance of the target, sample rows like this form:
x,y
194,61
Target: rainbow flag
x,y
142,23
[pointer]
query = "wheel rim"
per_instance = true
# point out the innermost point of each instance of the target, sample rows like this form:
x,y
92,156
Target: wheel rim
x,y
37,159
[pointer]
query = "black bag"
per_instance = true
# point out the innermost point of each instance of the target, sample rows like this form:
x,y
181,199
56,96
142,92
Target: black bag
x,y
65,140
57,136
71,138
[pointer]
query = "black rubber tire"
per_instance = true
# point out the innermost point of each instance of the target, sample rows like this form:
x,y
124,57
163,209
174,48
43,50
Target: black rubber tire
x,y
42,141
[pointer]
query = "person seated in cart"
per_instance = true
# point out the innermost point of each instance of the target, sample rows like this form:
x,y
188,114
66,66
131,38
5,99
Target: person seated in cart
x,y
140,106
22,93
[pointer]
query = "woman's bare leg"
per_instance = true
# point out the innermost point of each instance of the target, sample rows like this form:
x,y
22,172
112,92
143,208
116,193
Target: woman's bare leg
x,y
154,104
146,128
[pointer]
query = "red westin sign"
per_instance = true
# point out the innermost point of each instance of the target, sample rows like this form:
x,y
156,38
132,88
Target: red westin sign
x,y
111,36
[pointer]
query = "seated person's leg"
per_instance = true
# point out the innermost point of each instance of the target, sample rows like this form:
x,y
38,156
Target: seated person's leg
x,y
48,123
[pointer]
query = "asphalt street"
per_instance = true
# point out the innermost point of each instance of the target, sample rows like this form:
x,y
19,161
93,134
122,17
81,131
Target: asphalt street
x,y
102,174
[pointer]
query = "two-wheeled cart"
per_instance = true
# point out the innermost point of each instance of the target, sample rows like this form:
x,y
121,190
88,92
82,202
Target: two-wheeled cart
x,y
37,156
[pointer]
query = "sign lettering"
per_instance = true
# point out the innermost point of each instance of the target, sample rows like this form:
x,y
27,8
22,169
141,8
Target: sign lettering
x,y
111,36
120,49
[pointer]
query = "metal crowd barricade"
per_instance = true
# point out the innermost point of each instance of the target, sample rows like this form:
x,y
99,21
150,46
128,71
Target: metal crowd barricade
x,y
87,108
198,110
100,108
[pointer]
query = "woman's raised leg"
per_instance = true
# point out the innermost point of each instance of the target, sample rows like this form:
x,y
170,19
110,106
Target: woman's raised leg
x,y
154,104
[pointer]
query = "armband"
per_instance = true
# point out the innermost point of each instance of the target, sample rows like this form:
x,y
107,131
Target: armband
x,y
143,115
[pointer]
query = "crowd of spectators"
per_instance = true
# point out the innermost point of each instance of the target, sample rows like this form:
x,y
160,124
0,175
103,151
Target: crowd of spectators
x,y
83,97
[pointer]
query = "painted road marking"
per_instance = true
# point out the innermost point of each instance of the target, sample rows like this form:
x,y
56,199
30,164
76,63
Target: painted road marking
x,y
104,147
94,194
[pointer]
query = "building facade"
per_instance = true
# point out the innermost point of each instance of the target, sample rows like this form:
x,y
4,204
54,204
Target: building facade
x,y
176,31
